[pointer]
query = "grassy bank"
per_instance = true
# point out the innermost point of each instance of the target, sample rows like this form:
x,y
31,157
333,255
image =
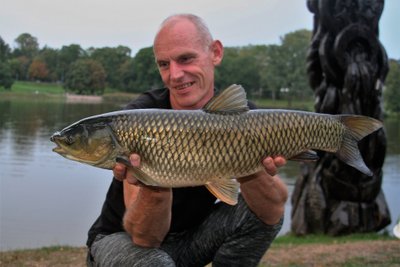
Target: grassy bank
x,y
37,88
55,91
313,250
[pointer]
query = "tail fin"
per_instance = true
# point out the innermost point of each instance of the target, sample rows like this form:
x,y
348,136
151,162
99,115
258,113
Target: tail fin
x,y
357,127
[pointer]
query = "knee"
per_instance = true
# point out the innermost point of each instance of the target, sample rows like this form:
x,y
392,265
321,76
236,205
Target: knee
x,y
118,250
138,258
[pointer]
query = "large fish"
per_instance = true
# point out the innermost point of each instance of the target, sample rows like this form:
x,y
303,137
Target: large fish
x,y
210,147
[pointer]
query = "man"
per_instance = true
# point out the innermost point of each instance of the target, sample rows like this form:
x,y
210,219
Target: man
x,y
186,226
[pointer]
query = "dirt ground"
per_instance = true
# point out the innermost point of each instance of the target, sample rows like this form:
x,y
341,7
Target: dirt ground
x,y
360,253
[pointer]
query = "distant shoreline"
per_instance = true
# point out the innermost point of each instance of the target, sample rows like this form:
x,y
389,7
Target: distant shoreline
x,y
73,98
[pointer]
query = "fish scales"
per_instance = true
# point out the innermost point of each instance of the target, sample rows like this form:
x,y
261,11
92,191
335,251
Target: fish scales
x,y
211,146
179,147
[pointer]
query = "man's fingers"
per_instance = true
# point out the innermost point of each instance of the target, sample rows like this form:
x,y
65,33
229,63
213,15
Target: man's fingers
x,y
271,165
122,172
135,160
280,161
119,171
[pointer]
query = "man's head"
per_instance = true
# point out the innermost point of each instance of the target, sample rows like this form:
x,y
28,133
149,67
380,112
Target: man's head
x,y
186,56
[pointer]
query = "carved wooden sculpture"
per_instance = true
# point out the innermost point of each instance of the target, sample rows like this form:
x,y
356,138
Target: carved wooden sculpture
x,y
347,66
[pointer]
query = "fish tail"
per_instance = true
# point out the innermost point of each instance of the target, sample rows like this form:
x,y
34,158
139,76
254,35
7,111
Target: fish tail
x,y
357,127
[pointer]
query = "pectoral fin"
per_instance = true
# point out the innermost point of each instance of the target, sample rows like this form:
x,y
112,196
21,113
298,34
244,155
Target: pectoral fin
x,y
143,177
137,173
227,190
124,160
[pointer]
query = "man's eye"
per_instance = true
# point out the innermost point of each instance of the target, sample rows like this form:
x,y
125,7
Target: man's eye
x,y
163,65
186,59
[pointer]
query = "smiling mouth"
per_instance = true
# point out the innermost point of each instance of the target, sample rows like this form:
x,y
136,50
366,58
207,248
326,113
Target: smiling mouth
x,y
184,86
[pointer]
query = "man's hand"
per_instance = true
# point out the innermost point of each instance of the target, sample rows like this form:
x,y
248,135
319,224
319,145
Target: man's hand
x,y
121,172
271,165
148,209
264,192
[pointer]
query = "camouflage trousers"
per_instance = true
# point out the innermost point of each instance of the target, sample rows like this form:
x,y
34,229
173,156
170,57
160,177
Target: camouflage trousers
x,y
229,236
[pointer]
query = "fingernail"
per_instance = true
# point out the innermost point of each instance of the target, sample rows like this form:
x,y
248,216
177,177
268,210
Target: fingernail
x,y
134,157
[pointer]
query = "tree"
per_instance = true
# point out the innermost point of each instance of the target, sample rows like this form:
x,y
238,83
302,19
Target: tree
x,y
5,50
286,65
145,71
6,78
50,57
86,76
239,66
38,70
126,75
27,45
111,59
19,67
68,55
392,88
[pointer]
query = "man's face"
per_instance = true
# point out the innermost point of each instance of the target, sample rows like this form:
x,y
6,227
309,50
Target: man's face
x,y
186,65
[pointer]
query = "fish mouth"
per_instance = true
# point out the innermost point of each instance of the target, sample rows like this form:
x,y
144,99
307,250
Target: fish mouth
x,y
56,138
58,149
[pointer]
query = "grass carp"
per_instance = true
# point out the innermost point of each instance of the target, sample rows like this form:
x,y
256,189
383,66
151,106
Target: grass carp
x,y
210,147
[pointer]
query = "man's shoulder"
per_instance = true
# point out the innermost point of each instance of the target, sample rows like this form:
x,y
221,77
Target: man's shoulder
x,y
155,98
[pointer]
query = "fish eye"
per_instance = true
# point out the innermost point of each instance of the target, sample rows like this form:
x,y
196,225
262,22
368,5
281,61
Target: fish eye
x,y
70,140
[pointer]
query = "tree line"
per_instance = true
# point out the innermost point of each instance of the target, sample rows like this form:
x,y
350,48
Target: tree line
x,y
90,71
274,71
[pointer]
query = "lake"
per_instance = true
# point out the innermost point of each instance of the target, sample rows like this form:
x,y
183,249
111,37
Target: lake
x,y
47,200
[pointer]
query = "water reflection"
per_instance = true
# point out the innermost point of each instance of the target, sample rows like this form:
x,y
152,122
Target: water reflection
x,y
48,200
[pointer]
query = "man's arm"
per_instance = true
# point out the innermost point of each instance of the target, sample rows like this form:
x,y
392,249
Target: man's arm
x,y
148,209
264,192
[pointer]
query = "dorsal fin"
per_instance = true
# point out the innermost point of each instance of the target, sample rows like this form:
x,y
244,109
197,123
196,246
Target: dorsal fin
x,y
231,100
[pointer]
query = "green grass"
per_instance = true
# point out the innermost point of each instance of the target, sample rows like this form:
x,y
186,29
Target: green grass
x,y
307,105
27,89
37,88
290,239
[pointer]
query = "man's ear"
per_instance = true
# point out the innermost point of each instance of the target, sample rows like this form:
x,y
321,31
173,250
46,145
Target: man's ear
x,y
217,52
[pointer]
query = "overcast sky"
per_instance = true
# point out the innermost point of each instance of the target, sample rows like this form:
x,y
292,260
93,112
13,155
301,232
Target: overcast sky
x,y
133,23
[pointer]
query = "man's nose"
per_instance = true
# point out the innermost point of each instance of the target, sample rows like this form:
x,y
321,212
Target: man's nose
x,y
175,71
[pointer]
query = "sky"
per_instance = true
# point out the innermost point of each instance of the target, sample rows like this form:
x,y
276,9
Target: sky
x,y
133,23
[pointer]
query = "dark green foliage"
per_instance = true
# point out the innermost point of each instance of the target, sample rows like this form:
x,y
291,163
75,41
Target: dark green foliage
x,y
27,45
66,56
6,79
392,87
146,75
86,76
111,59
